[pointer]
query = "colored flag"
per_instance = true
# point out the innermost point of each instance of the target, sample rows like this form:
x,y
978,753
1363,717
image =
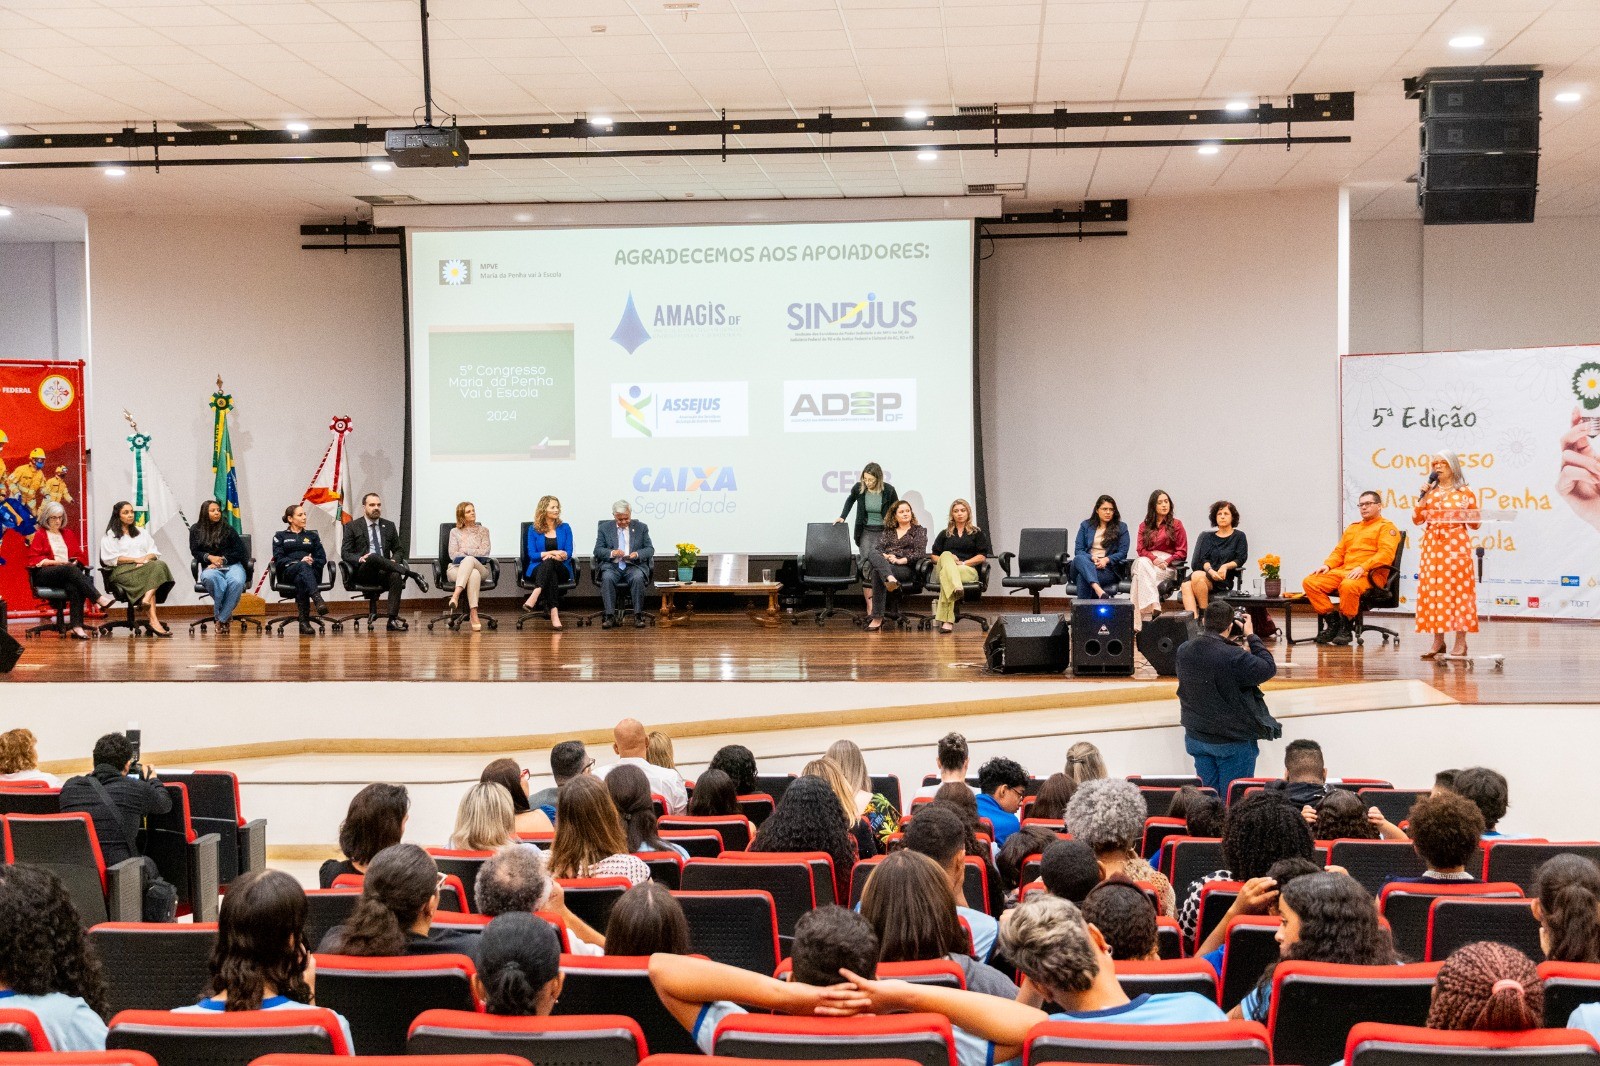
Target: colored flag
x,y
225,482
327,484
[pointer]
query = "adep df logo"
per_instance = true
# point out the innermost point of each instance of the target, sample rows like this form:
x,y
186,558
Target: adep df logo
x,y
685,479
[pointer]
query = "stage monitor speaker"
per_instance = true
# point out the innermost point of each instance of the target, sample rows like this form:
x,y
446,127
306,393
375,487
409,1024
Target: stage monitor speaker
x,y
1159,639
10,652
1102,638
1479,138
1028,643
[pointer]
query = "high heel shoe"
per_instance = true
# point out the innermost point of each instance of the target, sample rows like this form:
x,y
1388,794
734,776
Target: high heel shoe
x,y
1433,653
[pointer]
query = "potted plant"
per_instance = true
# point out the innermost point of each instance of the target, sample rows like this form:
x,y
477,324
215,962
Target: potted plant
x,y
1272,583
687,555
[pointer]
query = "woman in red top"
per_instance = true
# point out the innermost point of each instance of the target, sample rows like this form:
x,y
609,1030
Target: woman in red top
x,y
1162,541
53,567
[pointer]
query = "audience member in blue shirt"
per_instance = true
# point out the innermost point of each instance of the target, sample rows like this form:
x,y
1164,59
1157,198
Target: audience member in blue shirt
x,y
1002,786
1063,959
44,963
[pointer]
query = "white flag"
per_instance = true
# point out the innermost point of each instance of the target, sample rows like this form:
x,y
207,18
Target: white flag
x,y
160,501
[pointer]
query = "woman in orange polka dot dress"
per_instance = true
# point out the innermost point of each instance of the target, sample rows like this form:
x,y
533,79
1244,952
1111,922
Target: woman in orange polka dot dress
x,y
1447,592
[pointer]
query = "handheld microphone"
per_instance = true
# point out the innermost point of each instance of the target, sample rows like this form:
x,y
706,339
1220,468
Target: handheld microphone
x,y
1433,483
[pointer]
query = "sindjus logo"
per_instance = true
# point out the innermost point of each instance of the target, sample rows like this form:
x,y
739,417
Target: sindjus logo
x,y
865,316
455,272
685,479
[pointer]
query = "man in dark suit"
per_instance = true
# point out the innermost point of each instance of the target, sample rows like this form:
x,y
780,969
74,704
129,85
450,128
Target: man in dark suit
x,y
622,556
371,549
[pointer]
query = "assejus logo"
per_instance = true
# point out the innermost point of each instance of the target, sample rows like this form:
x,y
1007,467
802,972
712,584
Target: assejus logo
x,y
635,404
685,479
455,272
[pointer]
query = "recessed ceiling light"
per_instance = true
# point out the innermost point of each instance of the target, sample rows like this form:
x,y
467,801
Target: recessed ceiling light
x,y
916,115
381,166
5,212
1466,40
1237,105
525,217
4,134
115,172
297,127
1568,98
927,155
599,120
598,27
1208,149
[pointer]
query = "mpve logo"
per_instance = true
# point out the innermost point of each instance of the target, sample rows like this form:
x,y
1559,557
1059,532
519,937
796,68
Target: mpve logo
x,y
685,479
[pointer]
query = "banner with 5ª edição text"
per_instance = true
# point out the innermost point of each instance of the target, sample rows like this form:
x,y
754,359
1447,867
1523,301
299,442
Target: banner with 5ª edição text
x,y
1525,423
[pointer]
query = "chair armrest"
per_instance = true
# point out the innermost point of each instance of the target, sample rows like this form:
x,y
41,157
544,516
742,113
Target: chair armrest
x,y
1005,562
1064,563
924,568
494,570
253,846
1387,570
438,572
203,877
125,891
1180,569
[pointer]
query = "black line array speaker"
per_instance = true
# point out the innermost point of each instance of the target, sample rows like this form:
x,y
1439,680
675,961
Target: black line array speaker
x,y
1480,144
1028,643
1159,640
1102,638
10,652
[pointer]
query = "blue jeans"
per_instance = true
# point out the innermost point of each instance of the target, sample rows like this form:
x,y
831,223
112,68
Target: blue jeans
x,y
1218,765
1087,576
226,586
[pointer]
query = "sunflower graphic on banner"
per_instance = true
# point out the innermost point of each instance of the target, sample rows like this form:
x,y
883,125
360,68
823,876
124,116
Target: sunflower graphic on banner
x,y
225,481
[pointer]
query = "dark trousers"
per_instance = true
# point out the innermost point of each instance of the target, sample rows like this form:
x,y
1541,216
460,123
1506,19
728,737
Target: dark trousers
x,y
634,577
377,570
1087,576
303,576
71,579
880,574
548,576
1219,765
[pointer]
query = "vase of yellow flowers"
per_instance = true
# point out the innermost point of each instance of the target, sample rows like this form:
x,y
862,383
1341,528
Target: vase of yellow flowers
x,y
1272,583
688,554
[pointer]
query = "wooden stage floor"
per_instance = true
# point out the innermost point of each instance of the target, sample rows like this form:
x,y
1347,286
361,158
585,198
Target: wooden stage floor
x,y
1545,662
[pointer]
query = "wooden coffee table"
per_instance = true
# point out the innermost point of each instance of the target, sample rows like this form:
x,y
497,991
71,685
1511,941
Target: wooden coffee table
x,y
669,616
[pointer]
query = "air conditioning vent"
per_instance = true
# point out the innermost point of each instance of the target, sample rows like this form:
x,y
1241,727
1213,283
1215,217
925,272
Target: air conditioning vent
x,y
391,200
978,109
991,188
217,127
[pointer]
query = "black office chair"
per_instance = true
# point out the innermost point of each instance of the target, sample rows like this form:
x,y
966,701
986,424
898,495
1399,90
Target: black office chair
x,y
56,600
524,582
441,567
828,567
368,591
624,597
249,580
1383,597
970,590
286,591
896,603
1043,559
130,619
1121,580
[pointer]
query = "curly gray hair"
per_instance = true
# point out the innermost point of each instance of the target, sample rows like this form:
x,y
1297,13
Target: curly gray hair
x,y
1047,940
1107,813
513,879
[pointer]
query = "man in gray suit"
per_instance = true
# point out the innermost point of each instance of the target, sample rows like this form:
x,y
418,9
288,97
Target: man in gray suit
x,y
622,555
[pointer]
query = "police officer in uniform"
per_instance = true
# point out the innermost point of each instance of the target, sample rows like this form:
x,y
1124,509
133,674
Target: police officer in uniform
x,y
299,559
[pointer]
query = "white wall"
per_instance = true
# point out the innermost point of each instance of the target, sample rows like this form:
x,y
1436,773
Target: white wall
x,y
1196,355
42,291
1444,288
297,337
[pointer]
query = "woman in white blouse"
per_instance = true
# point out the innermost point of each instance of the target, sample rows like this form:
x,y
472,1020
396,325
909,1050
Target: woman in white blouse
x,y
50,559
137,571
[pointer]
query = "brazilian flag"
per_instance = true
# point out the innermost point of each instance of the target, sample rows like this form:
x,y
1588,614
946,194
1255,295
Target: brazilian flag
x,y
225,482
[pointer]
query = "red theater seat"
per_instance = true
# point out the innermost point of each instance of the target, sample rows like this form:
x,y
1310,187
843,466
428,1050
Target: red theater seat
x,y
76,1058
1140,976
20,1031
1315,1004
738,928
591,898
923,1038
1199,1044
226,1038
1406,907
735,829
380,997
1454,923
66,845
153,966
574,1040
1567,986
602,984
1403,1045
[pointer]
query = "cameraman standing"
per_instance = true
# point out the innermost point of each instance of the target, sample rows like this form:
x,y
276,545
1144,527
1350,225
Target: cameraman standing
x,y
1219,697
116,796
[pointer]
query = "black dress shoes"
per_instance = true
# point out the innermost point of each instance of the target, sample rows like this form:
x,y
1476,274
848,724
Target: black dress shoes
x,y
318,603
638,621
398,625
607,622
419,579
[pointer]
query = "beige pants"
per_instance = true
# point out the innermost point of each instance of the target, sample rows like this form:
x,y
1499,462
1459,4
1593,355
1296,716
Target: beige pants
x,y
468,574
952,575
1147,579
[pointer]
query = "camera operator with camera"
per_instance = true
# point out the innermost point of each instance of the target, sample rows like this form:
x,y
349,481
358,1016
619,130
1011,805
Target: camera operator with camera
x,y
116,795
1219,696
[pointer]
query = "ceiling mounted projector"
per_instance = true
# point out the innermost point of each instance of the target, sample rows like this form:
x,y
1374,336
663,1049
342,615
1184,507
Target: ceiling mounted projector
x,y
426,146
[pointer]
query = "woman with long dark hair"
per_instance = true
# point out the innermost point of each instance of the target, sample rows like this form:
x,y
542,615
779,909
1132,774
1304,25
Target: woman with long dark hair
x,y
375,819
874,499
511,777
590,840
1162,541
809,818
713,795
1327,917
519,966
221,552
46,965
394,916
630,791
137,569
912,906
739,763
902,545
1566,900
647,920
1101,547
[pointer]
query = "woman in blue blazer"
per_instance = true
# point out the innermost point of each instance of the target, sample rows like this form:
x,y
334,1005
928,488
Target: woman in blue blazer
x,y
1101,547
549,558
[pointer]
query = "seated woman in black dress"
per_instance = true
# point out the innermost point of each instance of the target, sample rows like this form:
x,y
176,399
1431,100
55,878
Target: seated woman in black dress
x,y
1218,554
549,558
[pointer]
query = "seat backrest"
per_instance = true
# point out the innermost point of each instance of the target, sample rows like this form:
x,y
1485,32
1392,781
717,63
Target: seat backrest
x,y
78,1058
1192,858
66,845
1518,861
666,867
1375,863
578,1040
379,997
738,928
591,898
888,786
21,1032
1157,799
1157,830
167,837
1215,899
735,829
1139,976
1197,1044
823,888
975,885
1169,936
789,883
757,806
597,984
860,873
326,908
700,844
1250,947
25,799
774,785
442,559
214,808
1315,1005
227,1038
925,1039
1241,785
828,551
1394,803
1567,986
465,866
1406,907
1404,1045
1039,551
1454,923
153,966
1384,592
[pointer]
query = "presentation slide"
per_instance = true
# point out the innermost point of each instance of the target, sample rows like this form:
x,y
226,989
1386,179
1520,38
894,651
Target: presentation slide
x,y
729,382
